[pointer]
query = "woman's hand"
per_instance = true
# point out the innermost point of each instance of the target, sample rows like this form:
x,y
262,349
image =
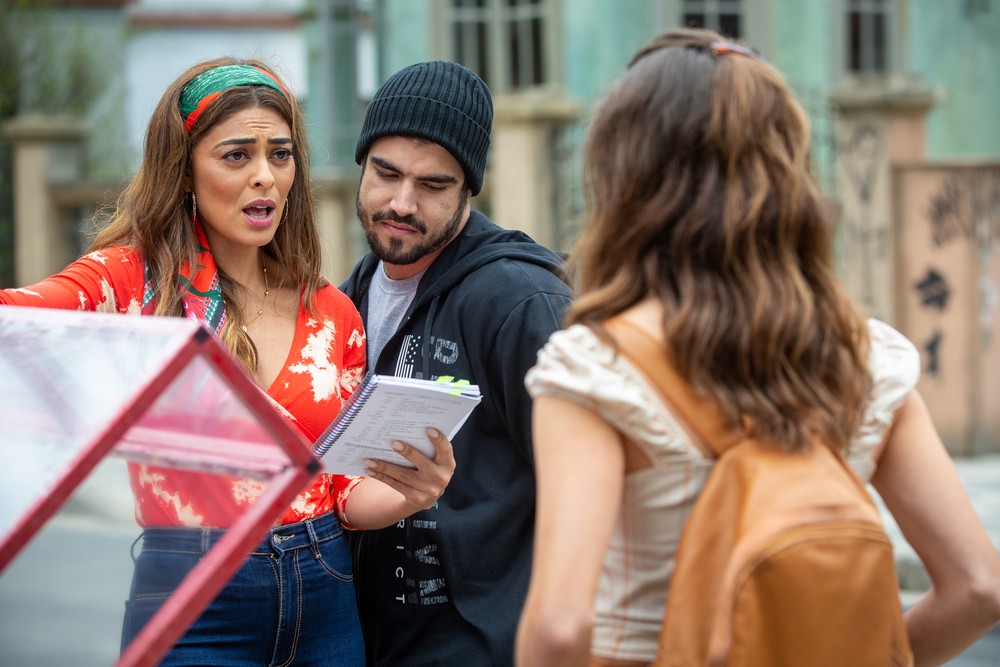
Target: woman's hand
x,y
423,486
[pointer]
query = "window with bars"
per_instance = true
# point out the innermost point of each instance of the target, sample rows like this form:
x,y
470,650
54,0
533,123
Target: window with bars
x,y
507,42
722,16
868,25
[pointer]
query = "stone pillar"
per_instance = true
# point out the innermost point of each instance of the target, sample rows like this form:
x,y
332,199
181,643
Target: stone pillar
x,y
877,127
47,150
522,166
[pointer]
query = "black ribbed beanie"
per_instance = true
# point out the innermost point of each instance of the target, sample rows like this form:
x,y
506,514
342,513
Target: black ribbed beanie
x,y
439,100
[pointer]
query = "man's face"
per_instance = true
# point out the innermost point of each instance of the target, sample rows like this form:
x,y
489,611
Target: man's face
x,y
412,202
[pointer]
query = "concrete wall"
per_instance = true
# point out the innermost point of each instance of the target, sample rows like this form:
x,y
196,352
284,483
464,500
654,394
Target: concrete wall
x,y
876,128
406,35
955,46
948,292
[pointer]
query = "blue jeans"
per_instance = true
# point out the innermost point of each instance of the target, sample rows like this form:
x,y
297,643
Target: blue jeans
x,y
291,603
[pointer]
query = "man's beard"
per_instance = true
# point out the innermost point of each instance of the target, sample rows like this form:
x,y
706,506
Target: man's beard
x,y
393,252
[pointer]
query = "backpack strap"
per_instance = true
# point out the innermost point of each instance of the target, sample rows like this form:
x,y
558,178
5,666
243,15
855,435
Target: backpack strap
x,y
702,417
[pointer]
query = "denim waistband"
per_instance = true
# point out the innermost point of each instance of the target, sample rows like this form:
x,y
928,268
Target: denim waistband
x,y
179,539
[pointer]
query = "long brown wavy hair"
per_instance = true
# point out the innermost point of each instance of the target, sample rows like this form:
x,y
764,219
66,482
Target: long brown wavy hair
x,y
698,190
153,213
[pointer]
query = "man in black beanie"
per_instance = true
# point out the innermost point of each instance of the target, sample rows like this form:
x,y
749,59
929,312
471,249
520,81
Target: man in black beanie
x,y
446,292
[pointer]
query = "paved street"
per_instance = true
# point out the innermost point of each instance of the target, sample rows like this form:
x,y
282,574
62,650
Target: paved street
x,y
61,600
63,597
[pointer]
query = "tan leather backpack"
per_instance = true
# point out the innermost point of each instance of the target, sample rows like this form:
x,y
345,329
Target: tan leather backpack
x,y
783,561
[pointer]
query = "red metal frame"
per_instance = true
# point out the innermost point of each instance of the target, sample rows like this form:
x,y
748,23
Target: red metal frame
x,y
204,582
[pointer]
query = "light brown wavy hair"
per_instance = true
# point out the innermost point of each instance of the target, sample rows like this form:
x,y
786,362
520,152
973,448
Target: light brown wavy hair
x,y
698,191
153,213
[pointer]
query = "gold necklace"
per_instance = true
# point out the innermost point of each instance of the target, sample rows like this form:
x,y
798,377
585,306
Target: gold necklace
x,y
260,311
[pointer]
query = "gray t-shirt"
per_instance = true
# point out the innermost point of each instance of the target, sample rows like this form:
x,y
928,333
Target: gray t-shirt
x,y
388,300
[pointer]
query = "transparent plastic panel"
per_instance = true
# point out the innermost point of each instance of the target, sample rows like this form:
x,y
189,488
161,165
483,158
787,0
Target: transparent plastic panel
x,y
64,377
198,457
121,432
62,599
196,424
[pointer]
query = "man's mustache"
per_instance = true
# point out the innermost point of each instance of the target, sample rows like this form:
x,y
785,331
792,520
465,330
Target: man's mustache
x,y
408,220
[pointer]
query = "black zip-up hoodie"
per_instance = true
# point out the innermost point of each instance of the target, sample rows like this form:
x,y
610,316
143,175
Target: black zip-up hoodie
x,y
447,585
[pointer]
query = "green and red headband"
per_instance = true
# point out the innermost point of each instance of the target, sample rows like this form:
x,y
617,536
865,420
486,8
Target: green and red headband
x,y
207,86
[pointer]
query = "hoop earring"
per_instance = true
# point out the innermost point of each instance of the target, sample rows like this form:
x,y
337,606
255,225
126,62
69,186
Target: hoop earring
x,y
194,207
284,213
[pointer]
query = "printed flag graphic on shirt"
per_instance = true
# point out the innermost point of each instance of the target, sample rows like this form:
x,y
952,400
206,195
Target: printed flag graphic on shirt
x,y
407,356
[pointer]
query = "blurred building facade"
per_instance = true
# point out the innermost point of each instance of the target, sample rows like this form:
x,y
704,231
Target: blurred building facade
x,y
901,94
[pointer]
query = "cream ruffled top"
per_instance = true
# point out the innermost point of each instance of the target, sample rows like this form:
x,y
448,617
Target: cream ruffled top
x,y
577,366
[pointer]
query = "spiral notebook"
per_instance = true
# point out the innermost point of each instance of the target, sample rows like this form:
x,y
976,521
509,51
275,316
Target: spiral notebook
x,y
385,408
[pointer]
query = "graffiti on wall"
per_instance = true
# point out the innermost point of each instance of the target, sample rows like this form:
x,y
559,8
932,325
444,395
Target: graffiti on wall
x,y
933,290
862,155
966,207
932,349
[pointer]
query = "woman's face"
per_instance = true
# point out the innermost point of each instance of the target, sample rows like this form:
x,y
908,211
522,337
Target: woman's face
x,y
242,170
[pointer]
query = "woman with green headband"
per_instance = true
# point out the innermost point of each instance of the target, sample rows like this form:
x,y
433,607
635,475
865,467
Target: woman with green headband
x,y
217,225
